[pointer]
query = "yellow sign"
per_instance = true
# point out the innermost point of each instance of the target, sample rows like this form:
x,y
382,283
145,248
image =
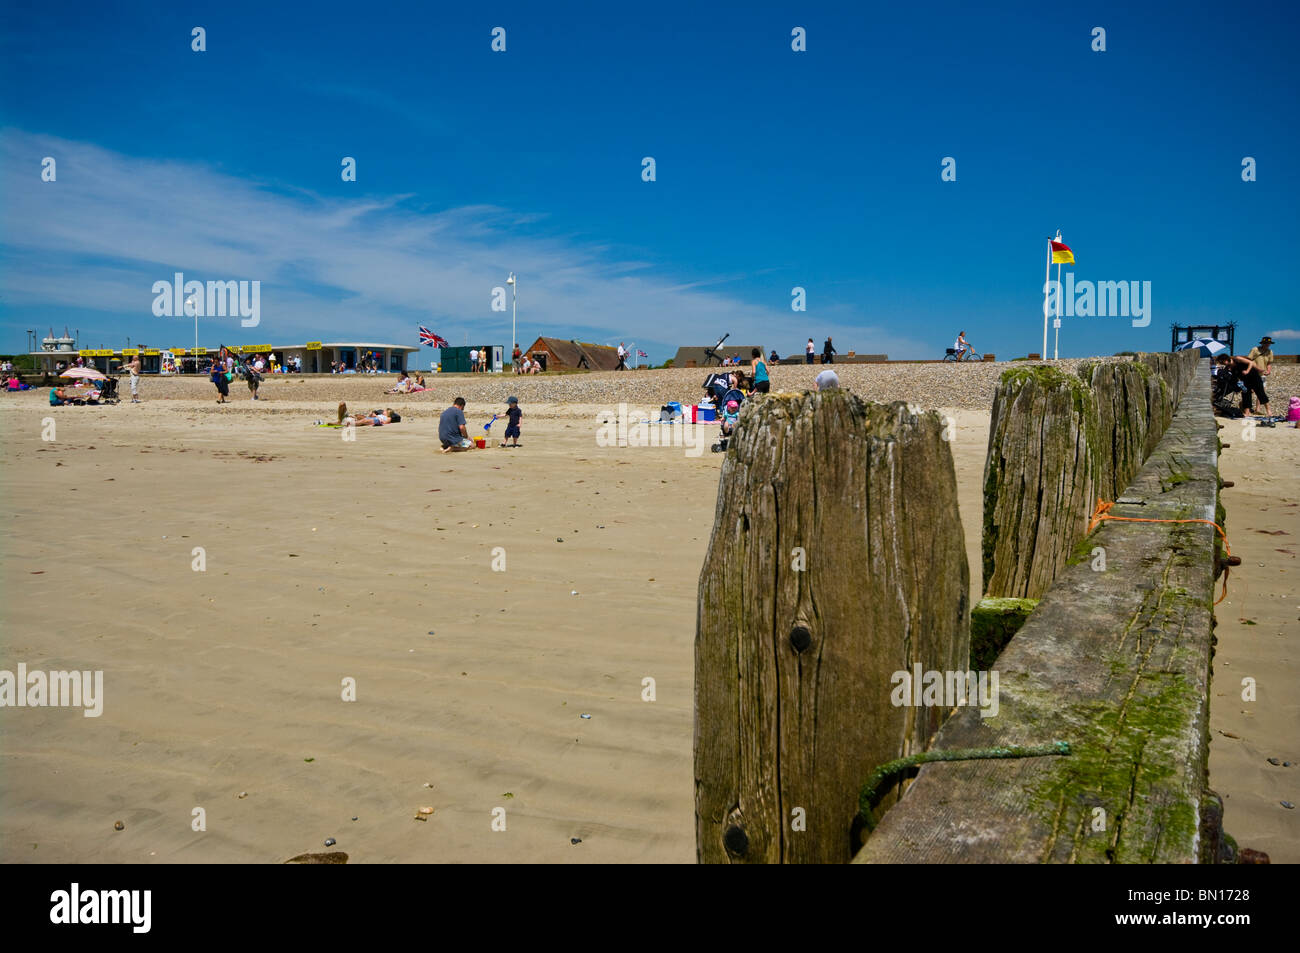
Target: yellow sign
x,y
130,351
250,348
313,345
151,352
96,352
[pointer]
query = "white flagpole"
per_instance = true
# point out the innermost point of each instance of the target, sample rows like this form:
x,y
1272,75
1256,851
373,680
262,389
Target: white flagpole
x,y
1056,348
1046,280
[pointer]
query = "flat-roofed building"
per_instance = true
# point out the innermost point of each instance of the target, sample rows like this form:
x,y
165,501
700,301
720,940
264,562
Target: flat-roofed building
x,y
316,357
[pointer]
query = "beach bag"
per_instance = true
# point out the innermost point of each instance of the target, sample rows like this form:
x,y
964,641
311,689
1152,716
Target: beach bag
x,y
1293,412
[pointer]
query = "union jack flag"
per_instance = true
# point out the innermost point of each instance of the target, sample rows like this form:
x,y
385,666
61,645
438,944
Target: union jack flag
x,y
430,339
641,353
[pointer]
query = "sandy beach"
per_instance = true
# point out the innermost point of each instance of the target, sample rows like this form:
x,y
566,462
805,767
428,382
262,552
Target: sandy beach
x,y
377,560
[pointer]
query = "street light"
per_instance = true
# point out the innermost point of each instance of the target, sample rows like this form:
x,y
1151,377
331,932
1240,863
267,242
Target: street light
x,y
192,306
514,303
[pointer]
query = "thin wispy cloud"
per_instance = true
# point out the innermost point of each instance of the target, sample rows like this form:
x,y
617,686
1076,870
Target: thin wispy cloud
x,y
371,266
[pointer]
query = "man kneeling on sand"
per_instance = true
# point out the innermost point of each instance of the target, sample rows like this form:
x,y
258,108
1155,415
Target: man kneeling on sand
x,y
451,428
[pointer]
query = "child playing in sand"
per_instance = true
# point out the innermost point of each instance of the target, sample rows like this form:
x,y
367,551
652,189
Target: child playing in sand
x,y
513,415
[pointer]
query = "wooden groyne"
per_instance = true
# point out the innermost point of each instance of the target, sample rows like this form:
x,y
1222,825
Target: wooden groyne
x,y
1058,442
1114,662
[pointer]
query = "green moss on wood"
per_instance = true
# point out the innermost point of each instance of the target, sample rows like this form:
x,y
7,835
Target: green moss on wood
x,y
1123,762
993,623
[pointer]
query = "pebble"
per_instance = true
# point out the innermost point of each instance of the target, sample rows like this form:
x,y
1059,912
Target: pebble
x,y
426,810
119,826
585,715
242,794
330,842
1274,761
575,841
1288,805
968,387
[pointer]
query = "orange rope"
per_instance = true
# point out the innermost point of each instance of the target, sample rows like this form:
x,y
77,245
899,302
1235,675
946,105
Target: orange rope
x,y
1102,512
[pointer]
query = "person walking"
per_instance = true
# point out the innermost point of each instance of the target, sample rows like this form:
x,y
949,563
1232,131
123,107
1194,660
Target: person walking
x,y
810,350
828,352
1262,356
622,358
134,366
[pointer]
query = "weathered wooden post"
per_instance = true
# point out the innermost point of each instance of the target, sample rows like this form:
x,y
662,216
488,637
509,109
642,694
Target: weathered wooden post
x,y
837,559
1040,479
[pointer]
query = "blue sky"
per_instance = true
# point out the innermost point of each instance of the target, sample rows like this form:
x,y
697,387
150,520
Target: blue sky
x,y
775,169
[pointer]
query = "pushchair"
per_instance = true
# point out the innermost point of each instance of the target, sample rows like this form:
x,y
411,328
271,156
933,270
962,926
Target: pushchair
x,y
715,385
1228,393
729,403
108,391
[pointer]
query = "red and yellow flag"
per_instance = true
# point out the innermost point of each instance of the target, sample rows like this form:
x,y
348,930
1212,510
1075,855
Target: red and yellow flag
x,y
1061,254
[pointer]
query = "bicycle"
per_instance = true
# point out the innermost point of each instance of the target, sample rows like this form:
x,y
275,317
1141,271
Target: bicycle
x,y
950,354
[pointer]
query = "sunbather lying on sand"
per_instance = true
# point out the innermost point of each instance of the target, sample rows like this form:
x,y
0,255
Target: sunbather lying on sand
x,y
375,418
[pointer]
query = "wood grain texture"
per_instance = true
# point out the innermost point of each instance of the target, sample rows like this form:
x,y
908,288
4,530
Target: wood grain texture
x,y
1058,442
794,663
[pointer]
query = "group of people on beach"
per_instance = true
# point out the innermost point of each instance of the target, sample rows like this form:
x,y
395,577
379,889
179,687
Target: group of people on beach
x,y
454,436
408,384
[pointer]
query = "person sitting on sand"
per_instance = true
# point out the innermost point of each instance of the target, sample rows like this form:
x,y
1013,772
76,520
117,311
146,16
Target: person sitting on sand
x,y
403,385
451,428
376,418
69,395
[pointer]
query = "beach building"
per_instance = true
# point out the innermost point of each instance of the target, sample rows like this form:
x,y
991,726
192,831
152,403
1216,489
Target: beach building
x,y
557,354
695,356
316,356
455,360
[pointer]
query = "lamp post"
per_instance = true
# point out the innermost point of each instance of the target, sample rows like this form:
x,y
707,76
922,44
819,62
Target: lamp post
x,y
192,306
514,303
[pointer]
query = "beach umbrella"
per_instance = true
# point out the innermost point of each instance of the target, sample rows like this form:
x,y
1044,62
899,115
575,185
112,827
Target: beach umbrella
x,y
1207,346
89,373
